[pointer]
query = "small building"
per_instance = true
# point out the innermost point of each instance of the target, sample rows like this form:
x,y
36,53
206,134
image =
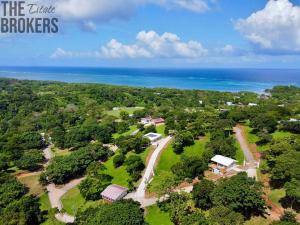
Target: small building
x,y
114,193
157,121
150,120
220,164
146,120
153,137
252,104
230,103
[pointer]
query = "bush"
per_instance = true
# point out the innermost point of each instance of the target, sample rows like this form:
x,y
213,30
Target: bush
x,y
118,160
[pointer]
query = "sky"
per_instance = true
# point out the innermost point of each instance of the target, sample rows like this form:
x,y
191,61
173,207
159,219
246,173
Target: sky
x,y
163,33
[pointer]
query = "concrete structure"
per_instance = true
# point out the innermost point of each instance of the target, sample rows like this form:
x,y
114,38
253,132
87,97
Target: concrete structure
x,y
153,137
252,104
157,121
221,164
114,193
153,121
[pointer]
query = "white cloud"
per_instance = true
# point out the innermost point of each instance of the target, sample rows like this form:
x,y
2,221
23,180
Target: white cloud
x,y
198,6
106,10
147,45
276,28
61,53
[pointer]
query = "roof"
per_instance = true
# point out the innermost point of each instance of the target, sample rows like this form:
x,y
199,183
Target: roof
x,y
158,120
152,136
113,191
225,161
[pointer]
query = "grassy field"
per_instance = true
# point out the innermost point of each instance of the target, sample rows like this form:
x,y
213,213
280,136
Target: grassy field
x,y
168,158
120,175
116,113
252,138
60,152
131,129
276,194
281,134
239,156
45,206
32,182
73,201
155,216
161,129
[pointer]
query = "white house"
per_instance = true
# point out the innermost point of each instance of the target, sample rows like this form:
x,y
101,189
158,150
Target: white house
x,y
153,137
252,104
220,164
230,103
146,120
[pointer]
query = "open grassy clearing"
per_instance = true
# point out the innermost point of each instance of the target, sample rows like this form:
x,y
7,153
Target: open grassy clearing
x,y
168,158
45,206
276,194
257,221
116,113
73,201
120,175
161,129
155,216
131,129
252,138
32,182
239,156
60,152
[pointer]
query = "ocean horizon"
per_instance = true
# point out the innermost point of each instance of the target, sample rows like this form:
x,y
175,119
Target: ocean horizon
x,y
232,80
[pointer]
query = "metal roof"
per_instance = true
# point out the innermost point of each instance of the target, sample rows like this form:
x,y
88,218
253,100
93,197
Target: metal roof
x,y
225,161
113,191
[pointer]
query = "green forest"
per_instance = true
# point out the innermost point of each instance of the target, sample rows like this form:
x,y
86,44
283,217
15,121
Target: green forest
x,y
80,122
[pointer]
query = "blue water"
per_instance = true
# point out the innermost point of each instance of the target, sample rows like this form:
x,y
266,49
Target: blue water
x,y
233,80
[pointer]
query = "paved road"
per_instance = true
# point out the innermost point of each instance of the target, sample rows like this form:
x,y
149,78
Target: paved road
x,y
149,172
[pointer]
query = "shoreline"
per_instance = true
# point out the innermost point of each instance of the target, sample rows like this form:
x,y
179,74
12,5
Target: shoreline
x,y
260,92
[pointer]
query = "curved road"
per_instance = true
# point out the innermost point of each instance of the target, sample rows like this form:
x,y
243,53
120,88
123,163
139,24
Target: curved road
x,y
55,193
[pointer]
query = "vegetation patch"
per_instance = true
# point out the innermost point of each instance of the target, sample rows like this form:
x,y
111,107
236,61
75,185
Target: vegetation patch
x,y
155,216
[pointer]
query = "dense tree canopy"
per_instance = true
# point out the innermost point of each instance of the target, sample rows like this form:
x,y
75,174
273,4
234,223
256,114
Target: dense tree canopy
x,y
125,212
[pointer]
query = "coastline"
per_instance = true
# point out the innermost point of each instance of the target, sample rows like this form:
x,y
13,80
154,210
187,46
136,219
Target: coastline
x,y
224,80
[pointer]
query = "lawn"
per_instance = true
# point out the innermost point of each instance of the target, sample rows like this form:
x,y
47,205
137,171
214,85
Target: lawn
x,y
116,113
45,206
131,129
276,194
60,152
155,216
281,134
197,149
32,182
120,175
239,155
168,158
161,129
252,138
73,201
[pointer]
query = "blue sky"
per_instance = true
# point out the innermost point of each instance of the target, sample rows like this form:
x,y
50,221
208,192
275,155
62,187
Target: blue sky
x,y
163,33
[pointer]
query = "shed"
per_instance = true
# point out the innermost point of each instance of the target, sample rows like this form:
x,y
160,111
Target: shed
x,y
113,193
153,136
223,161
